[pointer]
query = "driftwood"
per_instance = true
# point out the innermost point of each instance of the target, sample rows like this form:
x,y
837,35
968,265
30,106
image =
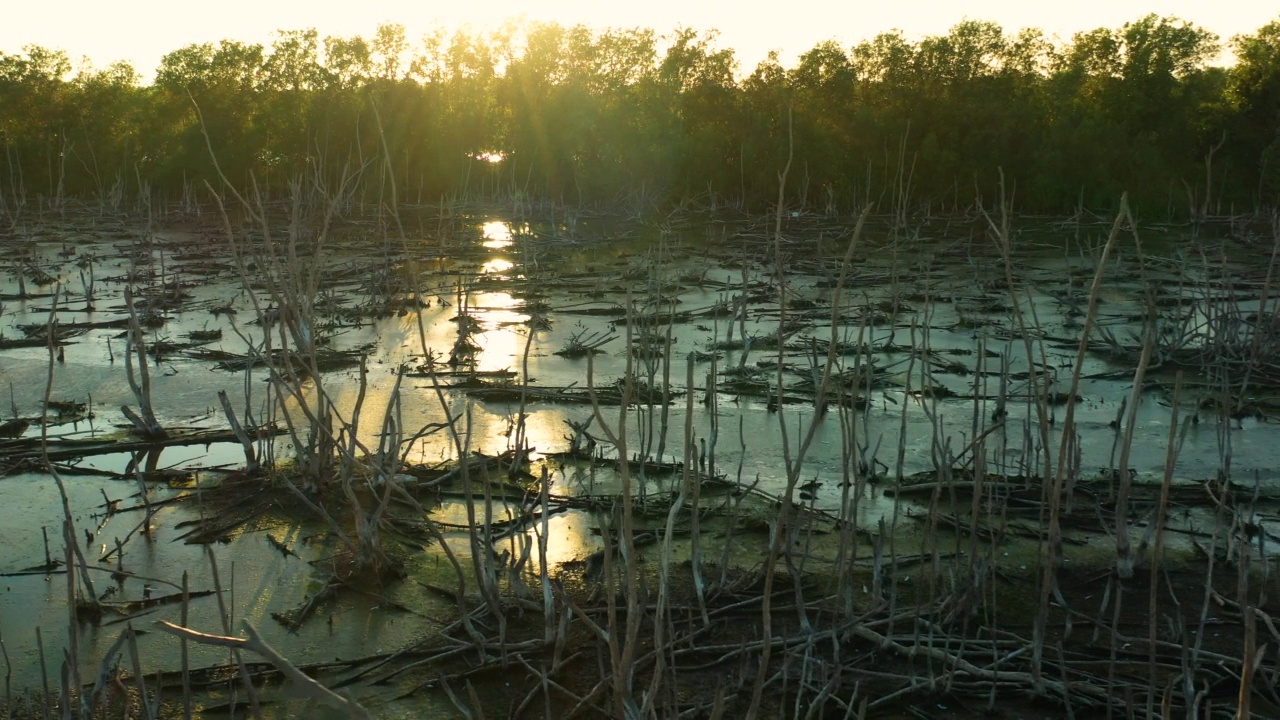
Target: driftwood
x,y
71,449
306,685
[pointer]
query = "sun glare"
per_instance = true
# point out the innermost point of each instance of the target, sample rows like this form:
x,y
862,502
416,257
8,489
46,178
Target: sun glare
x,y
153,30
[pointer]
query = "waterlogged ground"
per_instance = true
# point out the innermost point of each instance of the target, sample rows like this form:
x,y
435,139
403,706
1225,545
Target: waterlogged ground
x,y
931,347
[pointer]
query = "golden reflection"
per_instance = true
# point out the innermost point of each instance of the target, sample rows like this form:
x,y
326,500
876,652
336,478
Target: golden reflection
x,y
544,430
497,235
569,538
373,406
501,349
502,342
493,301
497,266
569,535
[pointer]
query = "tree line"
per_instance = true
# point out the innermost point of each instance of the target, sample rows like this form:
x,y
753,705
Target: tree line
x,y
576,115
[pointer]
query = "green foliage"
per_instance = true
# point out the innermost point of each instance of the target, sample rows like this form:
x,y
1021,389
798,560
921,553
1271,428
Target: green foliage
x,y
1253,111
585,116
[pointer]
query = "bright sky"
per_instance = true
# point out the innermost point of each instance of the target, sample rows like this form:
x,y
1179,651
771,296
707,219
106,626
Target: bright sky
x,y
142,31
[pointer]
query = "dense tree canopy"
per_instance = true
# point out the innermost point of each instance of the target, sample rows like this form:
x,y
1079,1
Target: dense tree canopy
x,y
576,115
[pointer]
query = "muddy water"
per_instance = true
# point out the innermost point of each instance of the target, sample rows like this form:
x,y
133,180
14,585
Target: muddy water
x,y
258,581
947,296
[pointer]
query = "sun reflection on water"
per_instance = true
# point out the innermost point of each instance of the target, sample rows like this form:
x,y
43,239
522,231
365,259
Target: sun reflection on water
x,y
488,301
497,235
569,534
544,430
502,338
497,266
569,538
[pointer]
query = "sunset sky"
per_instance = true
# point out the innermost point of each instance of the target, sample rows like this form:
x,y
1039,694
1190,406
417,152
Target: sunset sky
x,y
142,31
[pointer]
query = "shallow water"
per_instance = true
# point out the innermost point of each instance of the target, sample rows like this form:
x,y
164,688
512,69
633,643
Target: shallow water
x,y
953,303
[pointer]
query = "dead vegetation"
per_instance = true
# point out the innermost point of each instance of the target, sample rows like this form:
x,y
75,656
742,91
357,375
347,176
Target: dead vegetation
x,y
1006,578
